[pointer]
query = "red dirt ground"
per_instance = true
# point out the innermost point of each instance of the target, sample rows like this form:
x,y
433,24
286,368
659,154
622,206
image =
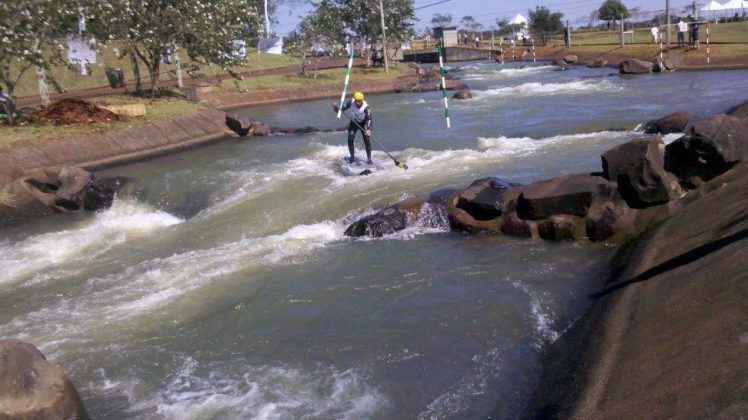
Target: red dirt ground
x,y
75,111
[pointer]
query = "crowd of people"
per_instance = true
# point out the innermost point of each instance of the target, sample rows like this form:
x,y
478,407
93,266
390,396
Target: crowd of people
x,y
688,27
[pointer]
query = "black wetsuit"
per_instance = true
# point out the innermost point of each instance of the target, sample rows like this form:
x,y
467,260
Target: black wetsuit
x,y
362,117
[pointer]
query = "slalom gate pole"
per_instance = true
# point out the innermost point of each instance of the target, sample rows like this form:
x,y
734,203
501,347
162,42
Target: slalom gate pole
x,y
707,42
345,84
533,50
444,85
397,163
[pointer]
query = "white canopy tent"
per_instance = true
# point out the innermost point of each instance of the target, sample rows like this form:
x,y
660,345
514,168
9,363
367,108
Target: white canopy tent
x,y
735,4
518,20
522,22
713,7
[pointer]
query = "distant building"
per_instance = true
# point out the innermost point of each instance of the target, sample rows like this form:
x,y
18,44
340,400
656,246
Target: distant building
x,y
448,34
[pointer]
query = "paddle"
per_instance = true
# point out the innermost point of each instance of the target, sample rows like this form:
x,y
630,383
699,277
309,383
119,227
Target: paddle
x,y
397,163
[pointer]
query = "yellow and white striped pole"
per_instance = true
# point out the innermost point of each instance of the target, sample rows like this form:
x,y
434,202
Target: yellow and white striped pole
x,y
707,42
345,84
444,86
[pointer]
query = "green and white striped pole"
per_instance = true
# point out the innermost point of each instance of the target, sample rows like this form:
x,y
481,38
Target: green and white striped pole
x,y
345,84
444,85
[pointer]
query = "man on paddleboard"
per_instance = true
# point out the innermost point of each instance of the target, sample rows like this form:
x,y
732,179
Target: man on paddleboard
x,y
360,120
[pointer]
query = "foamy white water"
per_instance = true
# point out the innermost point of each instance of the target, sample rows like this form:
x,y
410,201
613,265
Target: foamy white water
x,y
124,221
252,303
577,87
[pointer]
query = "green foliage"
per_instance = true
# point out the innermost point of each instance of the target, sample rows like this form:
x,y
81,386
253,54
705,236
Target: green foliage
x,y
30,36
613,10
544,23
440,20
332,22
207,28
470,24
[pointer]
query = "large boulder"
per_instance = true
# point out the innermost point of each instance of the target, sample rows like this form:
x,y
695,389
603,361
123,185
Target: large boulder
x,y
713,146
671,62
603,221
514,226
239,125
739,111
571,58
246,126
479,206
671,123
33,388
598,62
48,191
100,192
634,66
570,194
562,227
638,168
72,182
385,222
424,211
463,94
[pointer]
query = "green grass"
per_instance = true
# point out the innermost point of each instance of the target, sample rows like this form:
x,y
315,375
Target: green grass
x,y
733,32
156,109
322,77
71,80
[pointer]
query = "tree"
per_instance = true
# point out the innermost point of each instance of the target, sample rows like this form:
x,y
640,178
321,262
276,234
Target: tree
x,y
321,28
470,24
151,28
30,38
544,23
440,20
359,20
612,10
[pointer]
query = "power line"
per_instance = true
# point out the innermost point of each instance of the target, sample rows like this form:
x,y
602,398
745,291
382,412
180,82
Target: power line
x,y
430,4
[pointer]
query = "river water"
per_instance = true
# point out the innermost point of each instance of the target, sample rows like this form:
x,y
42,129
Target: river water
x,y
225,288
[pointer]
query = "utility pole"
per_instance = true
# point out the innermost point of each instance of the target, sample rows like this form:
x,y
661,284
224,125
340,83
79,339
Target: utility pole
x,y
667,18
384,39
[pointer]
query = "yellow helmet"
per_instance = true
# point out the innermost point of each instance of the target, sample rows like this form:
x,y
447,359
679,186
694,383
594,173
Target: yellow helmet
x,y
358,96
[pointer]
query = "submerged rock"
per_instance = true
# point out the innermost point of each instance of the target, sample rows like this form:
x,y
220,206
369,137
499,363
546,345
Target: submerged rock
x,y
634,66
671,123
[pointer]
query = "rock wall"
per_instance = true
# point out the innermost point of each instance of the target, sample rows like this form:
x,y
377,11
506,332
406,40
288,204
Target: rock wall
x,y
667,336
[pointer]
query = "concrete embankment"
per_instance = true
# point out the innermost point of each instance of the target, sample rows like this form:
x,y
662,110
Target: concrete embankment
x,y
667,337
230,100
119,146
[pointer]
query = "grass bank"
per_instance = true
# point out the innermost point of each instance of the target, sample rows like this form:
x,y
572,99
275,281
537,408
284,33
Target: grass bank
x,y
107,56
156,109
311,78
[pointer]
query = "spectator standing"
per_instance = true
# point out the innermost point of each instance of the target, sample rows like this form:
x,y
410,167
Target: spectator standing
x,y
682,29
695,34
655,34
477,41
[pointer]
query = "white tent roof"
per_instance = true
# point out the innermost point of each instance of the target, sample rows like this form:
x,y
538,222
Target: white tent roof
x,y
713,5
735,4
518,20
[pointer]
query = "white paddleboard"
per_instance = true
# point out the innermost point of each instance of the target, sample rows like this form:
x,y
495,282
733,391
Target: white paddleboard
x,y
359,167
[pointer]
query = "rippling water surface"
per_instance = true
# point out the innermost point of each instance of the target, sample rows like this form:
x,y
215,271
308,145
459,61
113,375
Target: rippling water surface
x,y
225,288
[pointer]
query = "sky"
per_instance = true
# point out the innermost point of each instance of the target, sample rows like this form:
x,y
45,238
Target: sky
x,y
487,11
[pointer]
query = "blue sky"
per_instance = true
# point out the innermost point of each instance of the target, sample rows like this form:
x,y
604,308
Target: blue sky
x,y
487,11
